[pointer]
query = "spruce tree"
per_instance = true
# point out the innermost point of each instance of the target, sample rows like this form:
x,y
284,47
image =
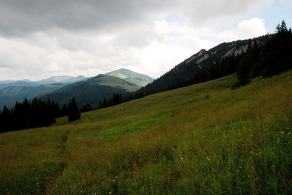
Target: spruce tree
x,y
5,120
105,103
1,120
243,72
73,111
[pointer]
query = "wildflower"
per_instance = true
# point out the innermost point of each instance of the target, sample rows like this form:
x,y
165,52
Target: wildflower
x,y
110,193
207,158
181,158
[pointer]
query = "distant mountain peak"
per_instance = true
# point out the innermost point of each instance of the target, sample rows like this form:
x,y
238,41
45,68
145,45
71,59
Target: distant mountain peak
x,y
132,77
124,69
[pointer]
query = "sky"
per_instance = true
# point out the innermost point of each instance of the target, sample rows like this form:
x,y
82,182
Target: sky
x,y
43,38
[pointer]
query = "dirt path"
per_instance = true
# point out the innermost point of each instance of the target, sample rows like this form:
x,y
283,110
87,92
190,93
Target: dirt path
x,y
62,152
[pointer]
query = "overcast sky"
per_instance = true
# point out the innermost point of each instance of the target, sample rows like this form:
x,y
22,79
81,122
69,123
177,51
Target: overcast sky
x,y
42,38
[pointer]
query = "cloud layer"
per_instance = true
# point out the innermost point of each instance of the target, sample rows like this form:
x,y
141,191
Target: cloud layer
x,y
40,38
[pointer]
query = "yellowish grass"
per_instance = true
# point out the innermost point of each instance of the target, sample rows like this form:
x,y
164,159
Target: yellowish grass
x,y
175,142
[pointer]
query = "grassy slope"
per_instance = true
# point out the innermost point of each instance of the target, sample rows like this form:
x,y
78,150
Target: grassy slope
x,y
180,141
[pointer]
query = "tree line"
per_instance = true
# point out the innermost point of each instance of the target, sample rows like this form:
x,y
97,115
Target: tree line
x,y
36,113
40,113
117,98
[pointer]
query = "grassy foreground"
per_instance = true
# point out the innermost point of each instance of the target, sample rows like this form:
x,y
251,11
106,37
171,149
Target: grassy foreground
x,y
201,139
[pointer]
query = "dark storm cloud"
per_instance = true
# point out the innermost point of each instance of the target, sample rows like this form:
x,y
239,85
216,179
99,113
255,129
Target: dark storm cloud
x,y
25,16
19,16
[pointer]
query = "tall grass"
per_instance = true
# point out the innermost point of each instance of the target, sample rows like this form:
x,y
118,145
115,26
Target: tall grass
x,y
201,139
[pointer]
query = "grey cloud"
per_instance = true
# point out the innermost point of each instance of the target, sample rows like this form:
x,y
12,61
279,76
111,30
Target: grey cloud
x,y
25,16
20,16
51,37
201,9
4,66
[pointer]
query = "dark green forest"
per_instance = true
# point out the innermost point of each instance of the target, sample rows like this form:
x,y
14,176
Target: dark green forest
x,y
36,113
29,114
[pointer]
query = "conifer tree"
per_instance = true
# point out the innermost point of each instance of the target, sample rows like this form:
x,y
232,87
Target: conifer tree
x,y
104,103
73,110
243,72
5,120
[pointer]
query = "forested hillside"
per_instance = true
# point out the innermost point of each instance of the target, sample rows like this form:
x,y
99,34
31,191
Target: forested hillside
x,y
263,56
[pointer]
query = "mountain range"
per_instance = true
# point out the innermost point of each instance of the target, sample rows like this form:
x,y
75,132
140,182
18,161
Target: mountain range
x,y
197,67
62,88
61,79
95,89
47,81
202,66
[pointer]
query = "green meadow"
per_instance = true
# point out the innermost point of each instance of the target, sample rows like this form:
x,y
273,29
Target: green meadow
x,y
201,139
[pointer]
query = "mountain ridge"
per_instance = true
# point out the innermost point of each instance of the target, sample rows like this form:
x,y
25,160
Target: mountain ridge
x,y
103,86
55,87
200,63
61,79
46,81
